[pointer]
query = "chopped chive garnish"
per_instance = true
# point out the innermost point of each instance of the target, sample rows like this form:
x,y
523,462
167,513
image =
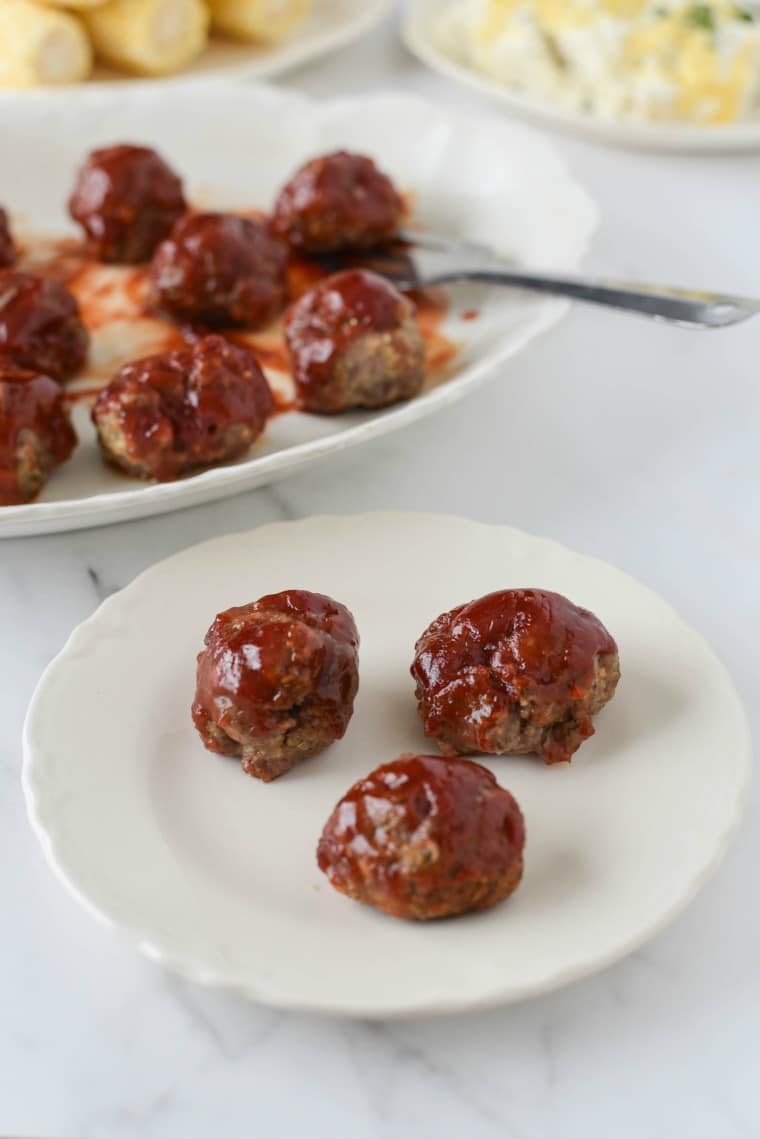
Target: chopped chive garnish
x,y
701,16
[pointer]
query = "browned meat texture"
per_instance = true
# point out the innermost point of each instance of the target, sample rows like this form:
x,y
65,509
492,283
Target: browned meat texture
x,y
518,671
336,202
425,837
127,200
353,341
40,326
220,271
36,434
7,246
277,680
165,415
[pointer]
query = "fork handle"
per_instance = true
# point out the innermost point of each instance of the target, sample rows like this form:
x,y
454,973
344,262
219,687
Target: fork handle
x,y
680,306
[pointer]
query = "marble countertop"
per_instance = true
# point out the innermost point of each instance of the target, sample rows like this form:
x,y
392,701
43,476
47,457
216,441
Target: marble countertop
x,y
627,440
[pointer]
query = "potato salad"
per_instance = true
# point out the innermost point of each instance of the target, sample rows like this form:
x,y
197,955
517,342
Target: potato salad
x,y
641,60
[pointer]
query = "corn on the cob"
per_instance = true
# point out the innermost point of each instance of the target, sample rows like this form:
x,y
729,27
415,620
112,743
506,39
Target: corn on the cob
x,y
151,37
74,4
260,20
40,46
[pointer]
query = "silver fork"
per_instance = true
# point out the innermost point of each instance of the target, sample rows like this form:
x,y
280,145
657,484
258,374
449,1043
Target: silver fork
x,y
422,259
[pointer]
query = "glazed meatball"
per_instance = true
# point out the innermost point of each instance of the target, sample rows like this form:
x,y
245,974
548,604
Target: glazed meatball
x,y
353,341
168,414
341,201
127,200
220,271
40,326
518,671
425,837
7,247
277,681
36,435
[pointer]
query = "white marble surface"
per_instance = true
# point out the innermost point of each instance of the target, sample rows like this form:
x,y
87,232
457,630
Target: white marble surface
x,y
626,440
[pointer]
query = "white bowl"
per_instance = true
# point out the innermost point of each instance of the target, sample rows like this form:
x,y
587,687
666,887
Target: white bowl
x,y
419,32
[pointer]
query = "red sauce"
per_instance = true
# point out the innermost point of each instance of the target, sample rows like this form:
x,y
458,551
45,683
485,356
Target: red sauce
x,y
174,412
425,837
475,664
40,325
302,274
330,331
338,201
408,198
30,404
107,294
104,299
82,395
8,251
283,404
221,271
268,664
432,306
471,314
253,215
270,355
59,259
127,200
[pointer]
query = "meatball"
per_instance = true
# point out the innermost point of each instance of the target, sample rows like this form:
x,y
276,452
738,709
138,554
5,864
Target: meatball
x,y
168,414
425,837
35,433
7,247
40,325
221,271
518,671
340,201
353,341
277,681
127,200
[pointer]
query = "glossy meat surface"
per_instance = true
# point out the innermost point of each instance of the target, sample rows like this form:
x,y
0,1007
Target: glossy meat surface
x,y
277,680
127,200
220,271
168,414
338,201
425,837
353,341
35,433
7,247
40,325
517,671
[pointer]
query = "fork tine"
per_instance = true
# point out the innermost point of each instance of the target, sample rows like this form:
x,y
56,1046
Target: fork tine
x,y
437,243
394,262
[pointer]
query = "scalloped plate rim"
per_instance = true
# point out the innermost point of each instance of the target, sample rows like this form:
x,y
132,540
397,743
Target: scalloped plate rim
x,y
199,972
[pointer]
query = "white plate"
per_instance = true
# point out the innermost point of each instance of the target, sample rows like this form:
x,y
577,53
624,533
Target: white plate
x,y
419,33
213,873
332,24
236,145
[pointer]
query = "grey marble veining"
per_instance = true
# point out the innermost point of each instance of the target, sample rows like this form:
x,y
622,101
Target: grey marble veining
x,y
635,443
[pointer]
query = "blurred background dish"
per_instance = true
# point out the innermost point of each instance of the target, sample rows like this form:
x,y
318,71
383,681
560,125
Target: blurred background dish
x,y
235,145
52,43
630,72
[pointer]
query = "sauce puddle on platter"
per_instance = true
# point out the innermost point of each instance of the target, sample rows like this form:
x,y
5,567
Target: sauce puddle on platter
x,y
113,300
